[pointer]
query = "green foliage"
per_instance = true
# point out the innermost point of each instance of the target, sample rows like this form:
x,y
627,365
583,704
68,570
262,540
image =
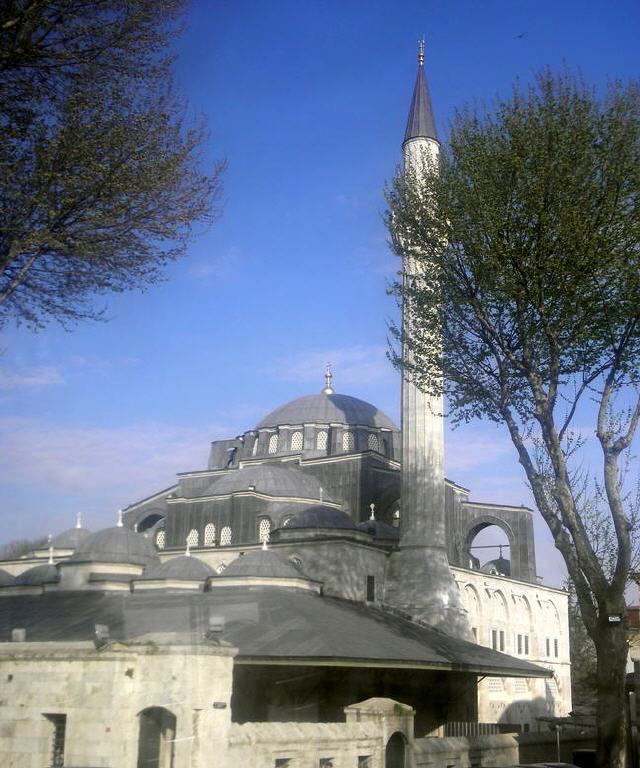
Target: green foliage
x,y
100,177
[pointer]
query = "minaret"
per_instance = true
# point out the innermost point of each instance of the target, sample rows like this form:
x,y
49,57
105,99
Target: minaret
x,y
419,579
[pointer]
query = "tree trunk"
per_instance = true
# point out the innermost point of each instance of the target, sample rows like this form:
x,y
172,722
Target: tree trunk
x,y
611,648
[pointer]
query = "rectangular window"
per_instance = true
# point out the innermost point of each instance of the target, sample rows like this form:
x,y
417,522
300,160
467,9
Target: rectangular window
x,y
58,731
555,648
282,762
526,645
548,646
325,762
371,589
519,643
364,761
494,639
501,640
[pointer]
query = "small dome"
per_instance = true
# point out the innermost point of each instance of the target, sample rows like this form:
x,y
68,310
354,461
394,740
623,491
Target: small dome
x,y
262,563
6,579
184,567
46,573
498,567
321,516
70,539
116,545
328,409
379,529
270,479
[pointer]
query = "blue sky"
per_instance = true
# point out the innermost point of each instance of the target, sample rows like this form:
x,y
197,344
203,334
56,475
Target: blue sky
x,y
307,101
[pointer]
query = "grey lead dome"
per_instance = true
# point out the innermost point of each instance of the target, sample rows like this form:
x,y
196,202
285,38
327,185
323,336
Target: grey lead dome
x,y
328,409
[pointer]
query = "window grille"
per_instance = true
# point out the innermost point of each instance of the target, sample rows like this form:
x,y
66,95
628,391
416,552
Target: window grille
x,y
322,439
161,539
348,441
373,442
296,441
58,733
209,534
225,536
273,443
264,529
193,538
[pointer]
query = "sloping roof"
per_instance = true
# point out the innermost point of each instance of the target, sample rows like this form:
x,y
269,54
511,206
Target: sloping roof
x,y
267,624
327,409
421,123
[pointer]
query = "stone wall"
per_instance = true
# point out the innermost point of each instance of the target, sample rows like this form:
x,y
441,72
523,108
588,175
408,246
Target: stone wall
x,y
102,693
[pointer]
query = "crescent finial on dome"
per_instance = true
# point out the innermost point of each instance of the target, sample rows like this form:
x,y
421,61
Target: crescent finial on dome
x,y
328,389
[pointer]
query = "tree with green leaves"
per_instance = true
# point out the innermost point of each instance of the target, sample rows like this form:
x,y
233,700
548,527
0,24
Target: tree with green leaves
x,y
529,228
101,176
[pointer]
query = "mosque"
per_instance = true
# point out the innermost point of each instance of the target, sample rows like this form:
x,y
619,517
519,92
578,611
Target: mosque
x,y
308,598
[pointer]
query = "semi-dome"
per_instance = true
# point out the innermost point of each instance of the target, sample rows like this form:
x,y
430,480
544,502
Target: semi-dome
x,y
46,573
183,567
116,545
270,479
326,408
262,563
321,516
70,539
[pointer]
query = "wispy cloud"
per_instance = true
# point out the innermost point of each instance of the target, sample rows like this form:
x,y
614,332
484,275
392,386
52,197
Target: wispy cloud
x,y
36,378
219,265
351,365
134,459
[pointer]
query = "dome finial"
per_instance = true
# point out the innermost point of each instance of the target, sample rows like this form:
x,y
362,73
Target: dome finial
x,y
79,520
50,555
328,389
372,507
321,494
421,52
187,551
264,545
120,523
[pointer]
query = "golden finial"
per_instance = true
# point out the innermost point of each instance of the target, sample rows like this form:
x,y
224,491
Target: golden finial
x,y
421,52
328,389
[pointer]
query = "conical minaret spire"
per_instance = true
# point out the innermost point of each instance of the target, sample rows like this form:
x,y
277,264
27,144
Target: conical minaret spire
x,y
421,123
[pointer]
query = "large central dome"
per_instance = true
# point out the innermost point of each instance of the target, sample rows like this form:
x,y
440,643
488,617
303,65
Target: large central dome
x,y
328,409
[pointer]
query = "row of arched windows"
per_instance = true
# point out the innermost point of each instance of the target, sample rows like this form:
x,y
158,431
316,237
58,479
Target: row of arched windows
x,y
226,534
296,442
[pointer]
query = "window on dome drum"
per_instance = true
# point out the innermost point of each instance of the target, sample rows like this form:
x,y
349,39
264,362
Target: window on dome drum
x,y
209,534
322,439
273,443
225,536
193,538
296,441
373,442
371,589
264,529
57,730
161,538
348,441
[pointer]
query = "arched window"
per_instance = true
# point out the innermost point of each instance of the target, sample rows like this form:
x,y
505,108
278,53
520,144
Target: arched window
x,y
254,450
296,441
264,529
348,441
373,442
225,536
322,438
156,736
209,535
161,539
193,538
273,443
